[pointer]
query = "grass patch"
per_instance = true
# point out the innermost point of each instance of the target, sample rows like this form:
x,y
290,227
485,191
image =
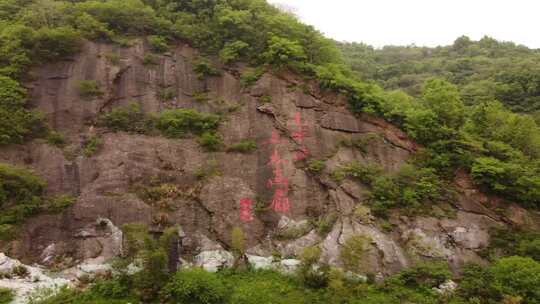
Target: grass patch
x,y
316,166
179,122
92,146
89,89
246,147
210,141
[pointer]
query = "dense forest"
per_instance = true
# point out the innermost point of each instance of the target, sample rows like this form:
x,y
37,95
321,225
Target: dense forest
x,y
473,105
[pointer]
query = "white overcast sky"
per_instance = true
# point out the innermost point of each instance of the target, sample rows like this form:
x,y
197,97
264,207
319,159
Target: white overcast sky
x,y
421,22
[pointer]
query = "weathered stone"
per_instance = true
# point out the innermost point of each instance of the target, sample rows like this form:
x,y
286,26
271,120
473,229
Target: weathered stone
x,y
215,260
340,122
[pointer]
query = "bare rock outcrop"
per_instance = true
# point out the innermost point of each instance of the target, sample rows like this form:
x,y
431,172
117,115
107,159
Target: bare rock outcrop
x,y
300,123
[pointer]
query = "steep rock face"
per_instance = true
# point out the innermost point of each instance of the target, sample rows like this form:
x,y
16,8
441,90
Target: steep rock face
x,y
106,184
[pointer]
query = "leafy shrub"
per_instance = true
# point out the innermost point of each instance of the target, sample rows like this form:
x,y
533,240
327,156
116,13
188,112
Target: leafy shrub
x,y
92,145
20,197
209,169
123,17
282,52
21,271
310,276
128,119
509,242
325,224
113,289
158,43
177,123
364,173
246,147
166,94
89,89
423,275
511,179
204,68
316,166
194,286
149,59
250,77
517,276
232,51
17,124
6,295
56,139
113,58
56,43
60,203
264,287
353,253
211,141
363,214
265,99
154,274
201,97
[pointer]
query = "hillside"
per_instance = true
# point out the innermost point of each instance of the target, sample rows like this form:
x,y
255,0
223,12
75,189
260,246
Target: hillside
x,y
483,70
141,141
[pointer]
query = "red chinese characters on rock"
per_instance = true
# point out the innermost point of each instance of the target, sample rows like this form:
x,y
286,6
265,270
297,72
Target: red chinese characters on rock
x,y
246,208
299,135
280,200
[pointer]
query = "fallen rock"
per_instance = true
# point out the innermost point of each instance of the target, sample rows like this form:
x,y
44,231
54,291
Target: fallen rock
x,y
214,260
259,262
26,286
448,287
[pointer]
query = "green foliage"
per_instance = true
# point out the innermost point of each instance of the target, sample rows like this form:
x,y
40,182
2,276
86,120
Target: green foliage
x,y
517,276
89,89
246,147
194,286
149,60
56,43
60,203
17,124
251,76
238,242
204,68
309,275
515,180
233,51
113,58
56,139
209,169
128,119
316,166
166,94
354,252
410,188
20,197
158,43
326,223
177,123
506,242
210,141
508,278
283,52
423,276
264,287
265,99
6,295
92,146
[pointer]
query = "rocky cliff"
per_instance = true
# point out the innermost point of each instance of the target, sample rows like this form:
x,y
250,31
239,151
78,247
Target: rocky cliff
x,y
207,193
